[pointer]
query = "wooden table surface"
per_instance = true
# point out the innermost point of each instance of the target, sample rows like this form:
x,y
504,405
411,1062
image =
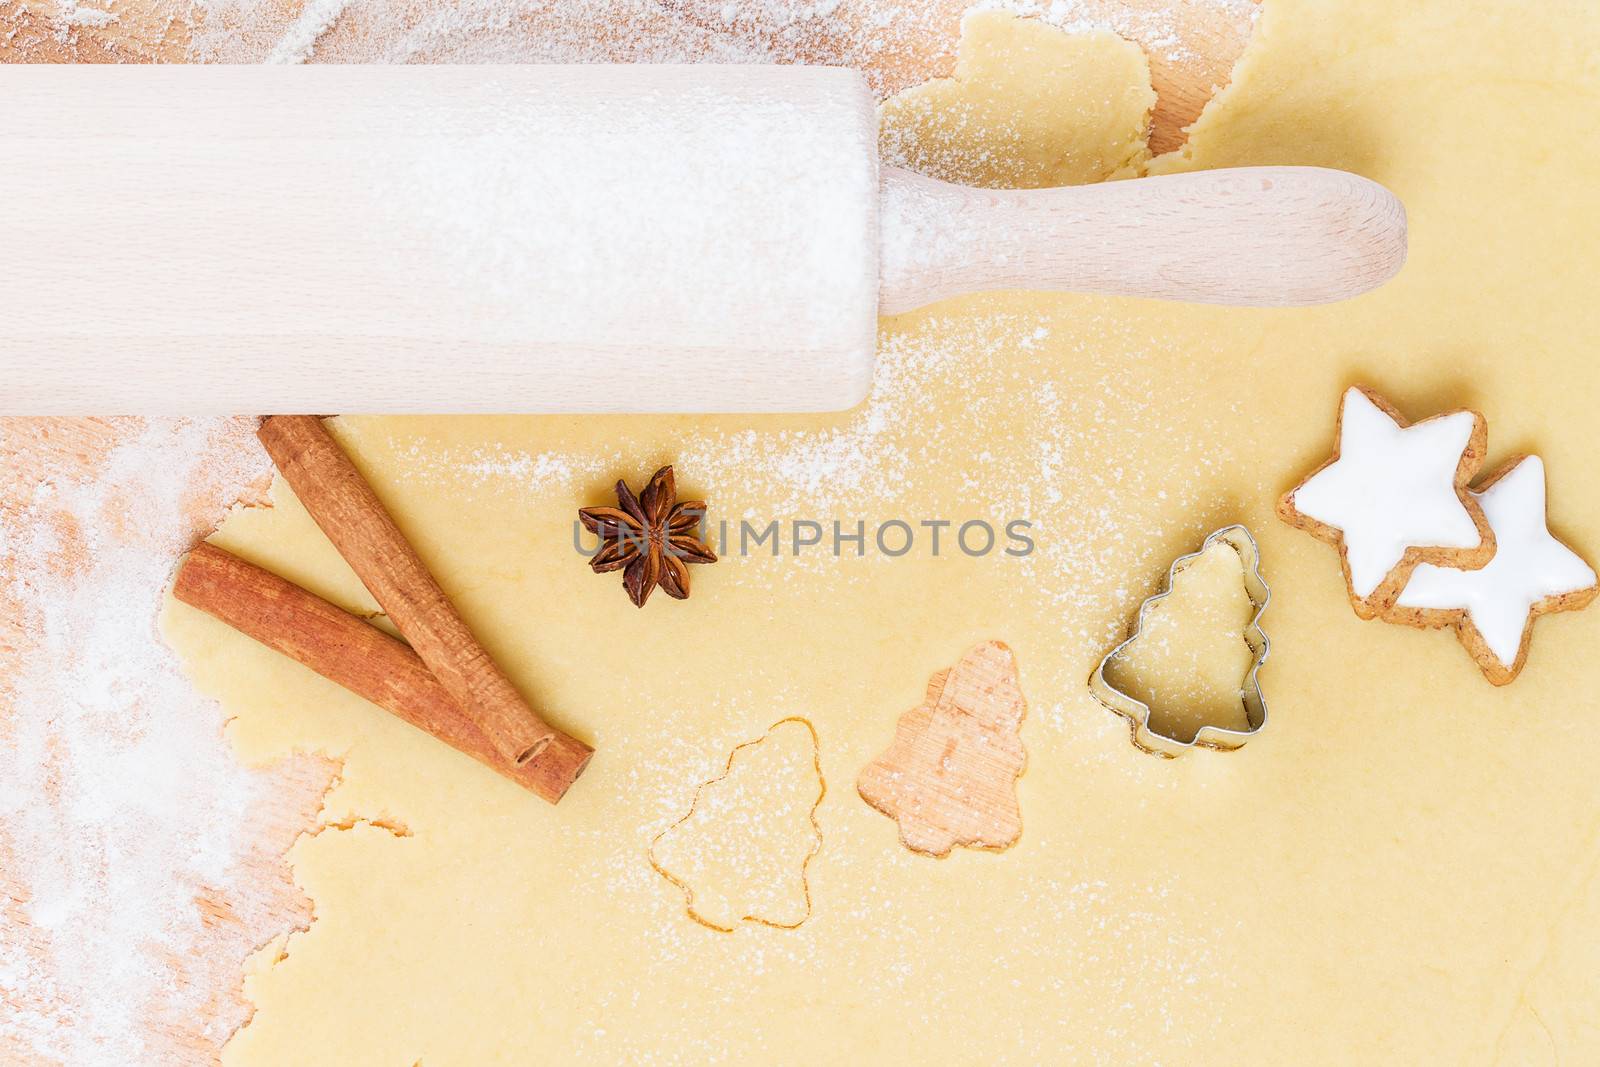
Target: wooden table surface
x,y
263,902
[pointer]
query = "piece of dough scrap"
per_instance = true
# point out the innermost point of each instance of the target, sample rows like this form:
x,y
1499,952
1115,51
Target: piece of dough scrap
x,y
950,775
1029,107
741,852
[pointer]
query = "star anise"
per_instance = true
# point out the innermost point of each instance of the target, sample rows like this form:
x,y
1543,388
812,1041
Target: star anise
x,y
651,537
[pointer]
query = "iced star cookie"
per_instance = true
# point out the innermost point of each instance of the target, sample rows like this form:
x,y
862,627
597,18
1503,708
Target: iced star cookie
x,y
1492,609
1393,496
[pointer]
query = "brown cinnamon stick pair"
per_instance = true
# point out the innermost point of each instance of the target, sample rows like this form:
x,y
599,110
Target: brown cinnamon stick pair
x,y
361,658
445,682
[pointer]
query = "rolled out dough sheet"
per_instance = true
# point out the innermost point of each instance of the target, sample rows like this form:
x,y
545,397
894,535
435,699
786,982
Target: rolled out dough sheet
x,y
1400,869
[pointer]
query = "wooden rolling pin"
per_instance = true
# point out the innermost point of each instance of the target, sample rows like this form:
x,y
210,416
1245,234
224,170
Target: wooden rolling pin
x,y
557,239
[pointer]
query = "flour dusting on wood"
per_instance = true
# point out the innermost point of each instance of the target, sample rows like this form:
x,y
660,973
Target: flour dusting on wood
x,y
126,821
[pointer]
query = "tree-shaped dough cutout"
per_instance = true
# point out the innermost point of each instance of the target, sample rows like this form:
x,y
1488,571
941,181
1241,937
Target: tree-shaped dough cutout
x,y
740,854
950,776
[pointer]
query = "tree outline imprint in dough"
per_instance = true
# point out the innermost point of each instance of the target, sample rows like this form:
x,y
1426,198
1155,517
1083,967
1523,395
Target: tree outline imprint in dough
x,y
721,812
949,777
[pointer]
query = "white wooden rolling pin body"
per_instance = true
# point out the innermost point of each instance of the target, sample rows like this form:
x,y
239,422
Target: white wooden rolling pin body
x,y
554,239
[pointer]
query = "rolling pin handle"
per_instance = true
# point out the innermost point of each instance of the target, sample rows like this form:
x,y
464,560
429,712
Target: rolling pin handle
x,y
1249,236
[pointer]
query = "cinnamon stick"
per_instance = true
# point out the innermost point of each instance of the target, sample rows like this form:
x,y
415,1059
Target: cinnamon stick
x,y
355,520
362,659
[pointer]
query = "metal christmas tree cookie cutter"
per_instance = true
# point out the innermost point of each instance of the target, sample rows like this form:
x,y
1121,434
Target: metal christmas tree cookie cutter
x,y
1137,712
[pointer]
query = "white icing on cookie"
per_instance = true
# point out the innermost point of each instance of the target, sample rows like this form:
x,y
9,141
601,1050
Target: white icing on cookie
x,y
1529,566
1392,488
